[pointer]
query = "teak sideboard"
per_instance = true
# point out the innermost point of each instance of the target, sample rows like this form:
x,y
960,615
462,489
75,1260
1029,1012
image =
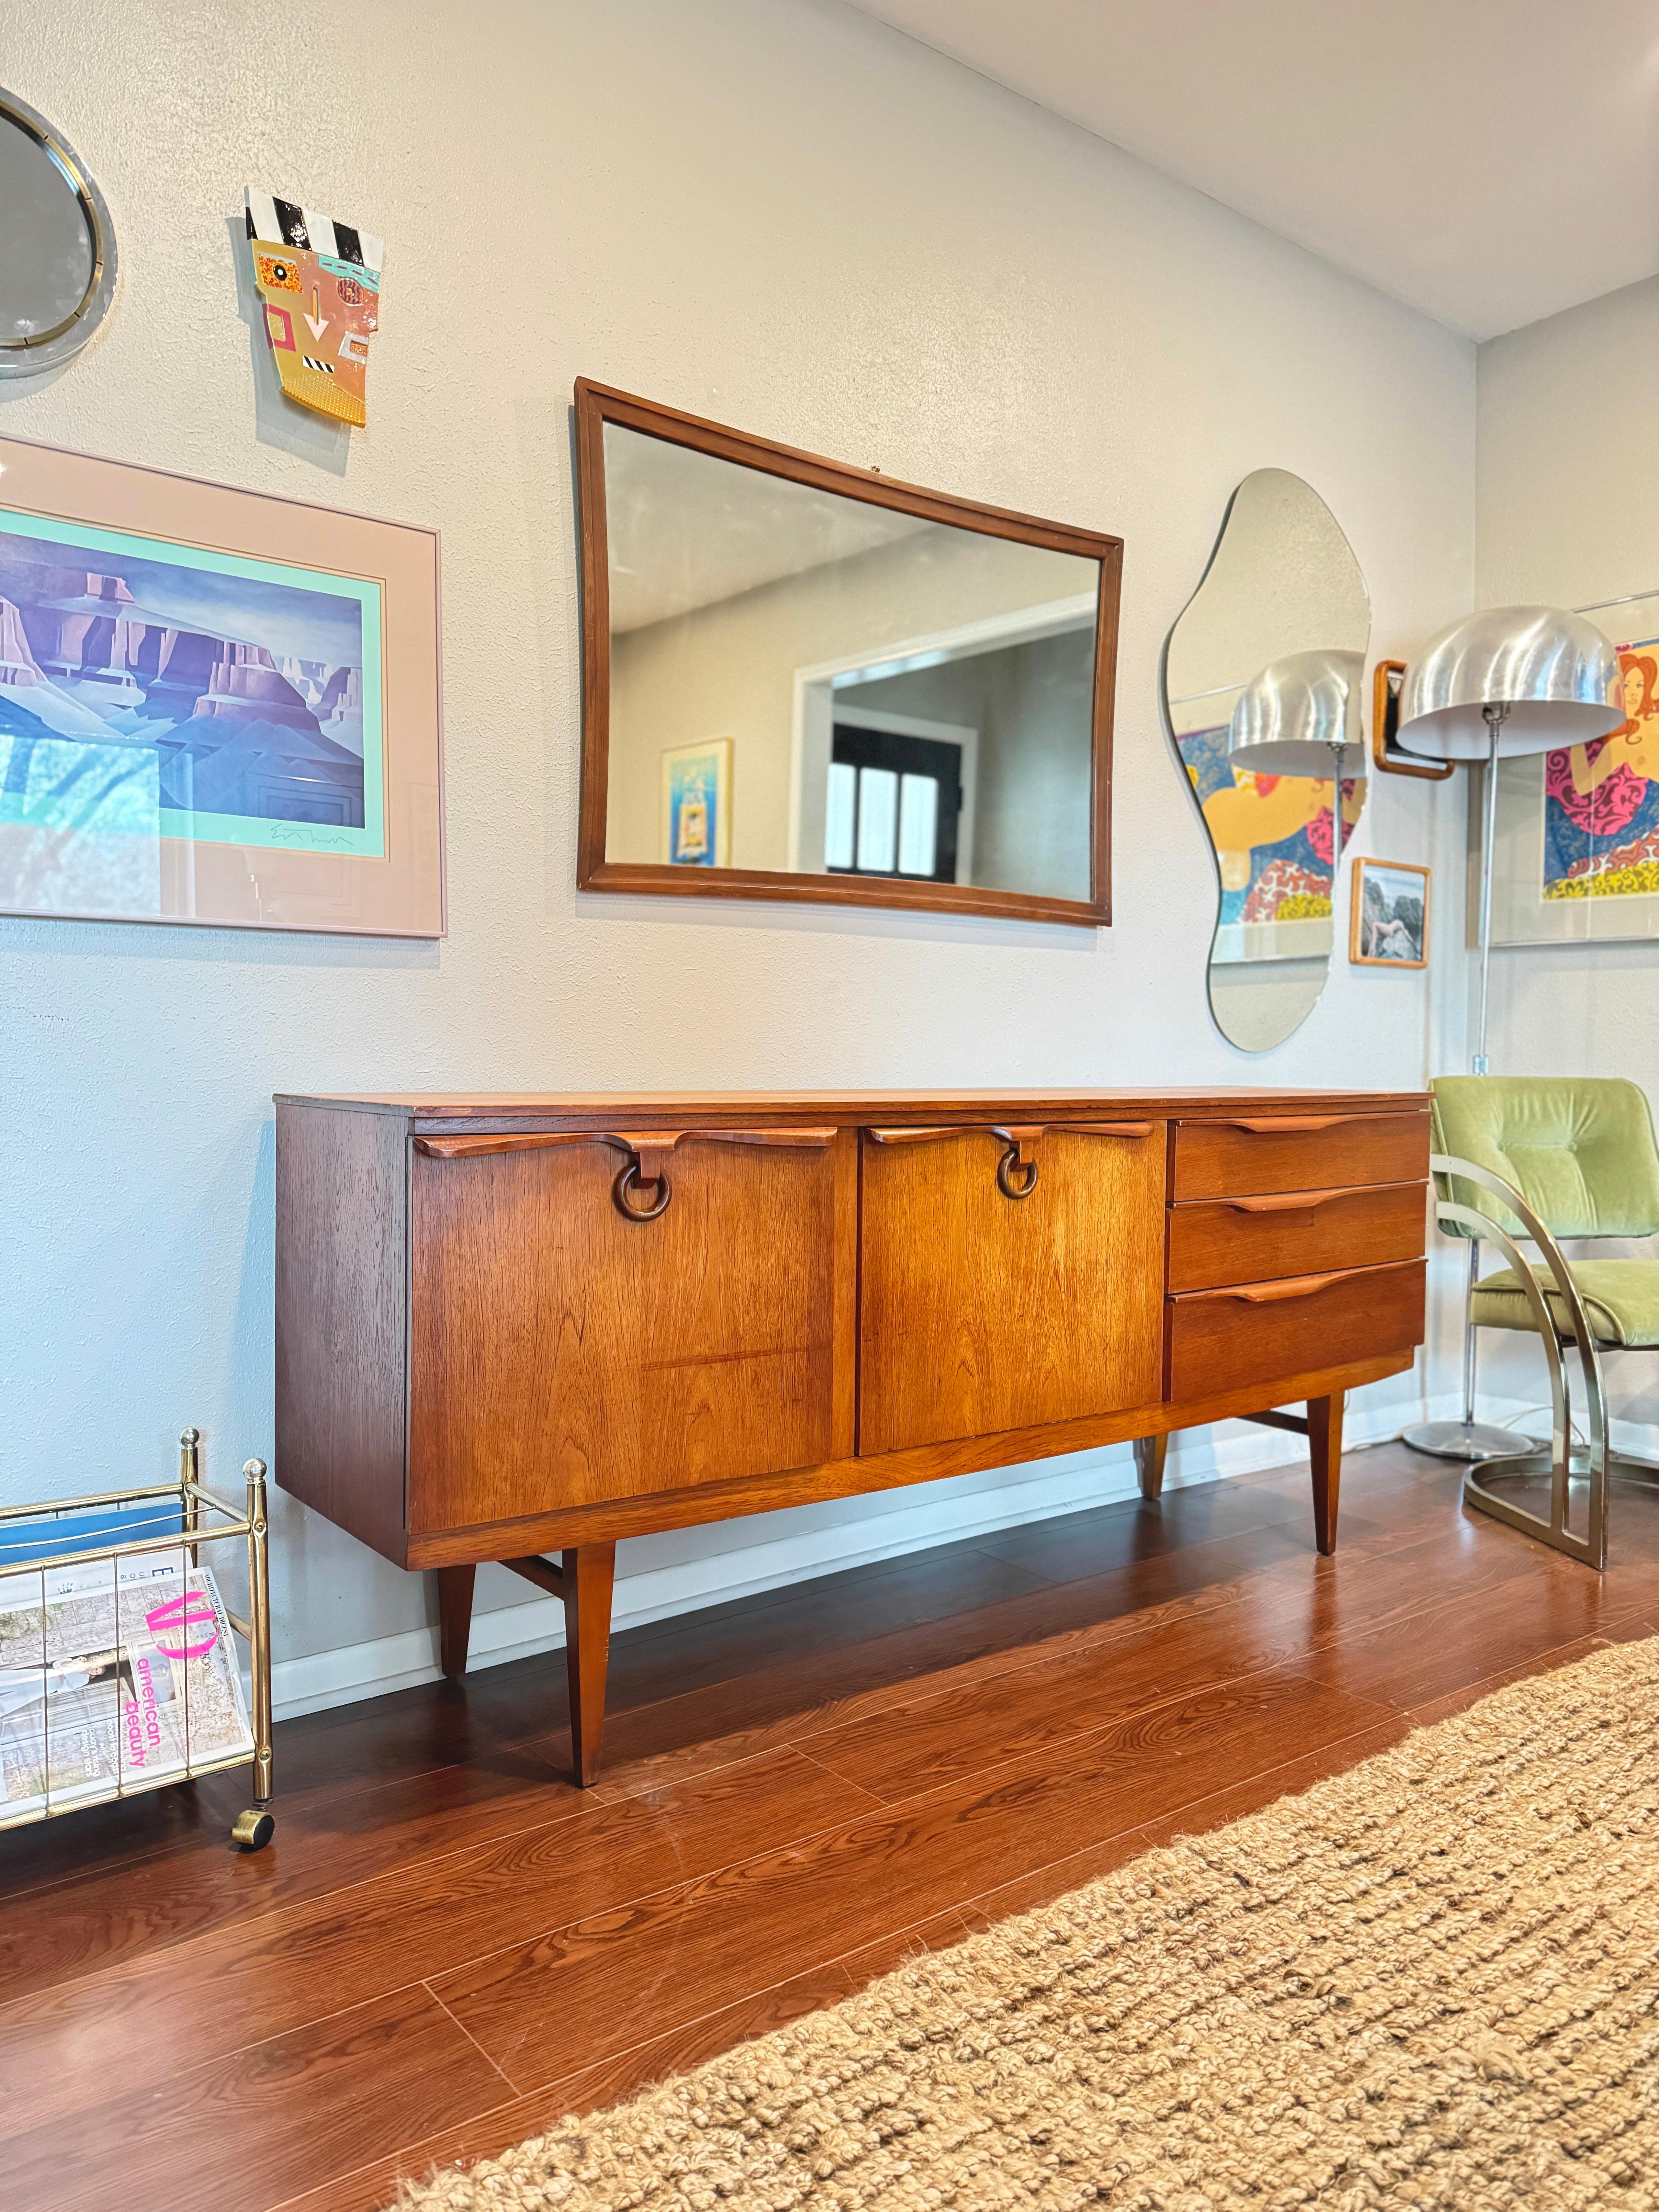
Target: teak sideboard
x,y
514,1325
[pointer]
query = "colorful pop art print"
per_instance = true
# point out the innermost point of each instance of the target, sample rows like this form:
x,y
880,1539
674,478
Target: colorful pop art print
x,y
216,706
1389,915
1273,840
1578,830
697,805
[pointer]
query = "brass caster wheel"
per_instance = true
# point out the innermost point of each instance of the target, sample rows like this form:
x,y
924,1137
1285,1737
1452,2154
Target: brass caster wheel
x,y
253,1829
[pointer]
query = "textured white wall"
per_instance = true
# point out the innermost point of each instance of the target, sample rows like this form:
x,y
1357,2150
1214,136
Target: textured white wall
x,y
1569,515
780,214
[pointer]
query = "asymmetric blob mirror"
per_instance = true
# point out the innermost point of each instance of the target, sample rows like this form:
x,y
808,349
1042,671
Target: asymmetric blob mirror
x,y
1265,665
56,245
804,681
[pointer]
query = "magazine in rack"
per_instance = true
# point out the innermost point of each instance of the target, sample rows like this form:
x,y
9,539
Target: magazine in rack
x,y
115,1674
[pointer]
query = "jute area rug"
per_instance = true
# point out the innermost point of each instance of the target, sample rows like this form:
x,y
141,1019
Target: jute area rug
x,y
1433,1981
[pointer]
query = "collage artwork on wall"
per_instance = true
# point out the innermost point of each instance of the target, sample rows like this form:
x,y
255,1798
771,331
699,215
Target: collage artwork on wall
x,y
216,706
1579,828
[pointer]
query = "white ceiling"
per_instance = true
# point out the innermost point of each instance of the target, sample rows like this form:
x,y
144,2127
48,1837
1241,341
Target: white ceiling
x,y
1490,161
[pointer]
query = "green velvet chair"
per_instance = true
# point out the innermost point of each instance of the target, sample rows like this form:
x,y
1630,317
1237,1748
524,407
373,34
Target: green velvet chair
x,y
1539,1158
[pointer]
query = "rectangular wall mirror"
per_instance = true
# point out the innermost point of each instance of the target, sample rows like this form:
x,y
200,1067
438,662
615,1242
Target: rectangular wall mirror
x,y
801,680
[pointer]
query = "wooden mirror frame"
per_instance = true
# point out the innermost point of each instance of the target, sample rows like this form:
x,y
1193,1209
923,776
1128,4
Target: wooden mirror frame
x,y
598,404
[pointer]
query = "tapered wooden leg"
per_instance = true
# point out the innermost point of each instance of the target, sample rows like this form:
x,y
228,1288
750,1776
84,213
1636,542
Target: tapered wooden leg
x,y
454,1617
1325,1451
1151,1452
590,1575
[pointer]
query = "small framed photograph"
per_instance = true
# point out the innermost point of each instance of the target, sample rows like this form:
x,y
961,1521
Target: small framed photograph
x,y
697,805
1390,926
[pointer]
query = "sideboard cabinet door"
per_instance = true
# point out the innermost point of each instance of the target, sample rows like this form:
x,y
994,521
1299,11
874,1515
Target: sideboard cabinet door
x,y
981,1310
562,1355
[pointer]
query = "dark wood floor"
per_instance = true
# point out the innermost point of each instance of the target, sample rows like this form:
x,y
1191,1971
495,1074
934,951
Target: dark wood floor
x,y
448,1946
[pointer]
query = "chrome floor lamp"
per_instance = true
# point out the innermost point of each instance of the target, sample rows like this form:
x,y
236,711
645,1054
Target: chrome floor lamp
x,y
1501,683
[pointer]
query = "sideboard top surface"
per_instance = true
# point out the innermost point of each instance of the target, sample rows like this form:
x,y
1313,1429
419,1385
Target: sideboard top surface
x,y
1009,1103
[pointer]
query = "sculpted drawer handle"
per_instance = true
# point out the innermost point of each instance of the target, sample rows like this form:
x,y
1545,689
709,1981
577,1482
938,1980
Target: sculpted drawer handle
x,y
1269,1294
921,1136
1290,1201
975,1128
1302,1286
1269,1125
1131,1129
647,1151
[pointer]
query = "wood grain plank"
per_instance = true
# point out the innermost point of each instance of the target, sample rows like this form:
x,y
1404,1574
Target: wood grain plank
x,y
1273,1782
1631,1630
371,2186
251,2127
785,1701
969,1729
1447,1647
146,2018
330,1840
533,2006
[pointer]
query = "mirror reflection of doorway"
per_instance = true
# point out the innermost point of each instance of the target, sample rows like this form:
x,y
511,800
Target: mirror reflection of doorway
x,y
894,800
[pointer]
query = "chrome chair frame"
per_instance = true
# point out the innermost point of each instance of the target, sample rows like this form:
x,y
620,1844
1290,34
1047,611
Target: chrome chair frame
x,y
1559,1463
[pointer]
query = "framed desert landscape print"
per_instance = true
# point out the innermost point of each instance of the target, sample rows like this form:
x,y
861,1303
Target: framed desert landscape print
x,y
216,706
1389,911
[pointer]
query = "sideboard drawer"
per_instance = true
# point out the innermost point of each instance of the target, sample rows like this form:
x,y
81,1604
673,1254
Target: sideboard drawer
x,y
1260,1153
980,1310
1224,1340
1301,1232
562,1355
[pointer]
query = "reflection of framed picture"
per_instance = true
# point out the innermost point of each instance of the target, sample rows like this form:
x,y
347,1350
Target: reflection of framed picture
x,y
1390,926
1387,682
216,706
697,805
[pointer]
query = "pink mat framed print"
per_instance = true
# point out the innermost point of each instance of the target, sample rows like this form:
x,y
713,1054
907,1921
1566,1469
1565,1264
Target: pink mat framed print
x,y
216,706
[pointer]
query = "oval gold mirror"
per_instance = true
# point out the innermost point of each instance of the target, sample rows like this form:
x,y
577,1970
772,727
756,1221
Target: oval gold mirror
x,y
1261,689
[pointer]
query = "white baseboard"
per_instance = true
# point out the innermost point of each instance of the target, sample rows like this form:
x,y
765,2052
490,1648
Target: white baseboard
x,y
942,1513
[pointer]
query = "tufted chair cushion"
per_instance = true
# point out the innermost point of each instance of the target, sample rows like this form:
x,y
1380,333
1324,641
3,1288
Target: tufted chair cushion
x,y
1580,1149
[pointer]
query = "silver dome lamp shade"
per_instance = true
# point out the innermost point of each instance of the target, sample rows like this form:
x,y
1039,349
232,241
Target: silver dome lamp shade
x,y
1499,684
1300,716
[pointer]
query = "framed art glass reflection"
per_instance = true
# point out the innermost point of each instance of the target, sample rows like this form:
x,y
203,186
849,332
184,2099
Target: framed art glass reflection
x,y
697,805
216,706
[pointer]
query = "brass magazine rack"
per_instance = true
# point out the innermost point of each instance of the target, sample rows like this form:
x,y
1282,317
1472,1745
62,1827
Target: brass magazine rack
x,y
183,1629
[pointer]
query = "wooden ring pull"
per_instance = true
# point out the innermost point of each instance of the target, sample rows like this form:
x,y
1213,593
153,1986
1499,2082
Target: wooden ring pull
x,y
1011,1161
628,1178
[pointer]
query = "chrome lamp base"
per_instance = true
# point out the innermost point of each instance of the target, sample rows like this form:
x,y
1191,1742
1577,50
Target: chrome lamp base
x,y
1466,1440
